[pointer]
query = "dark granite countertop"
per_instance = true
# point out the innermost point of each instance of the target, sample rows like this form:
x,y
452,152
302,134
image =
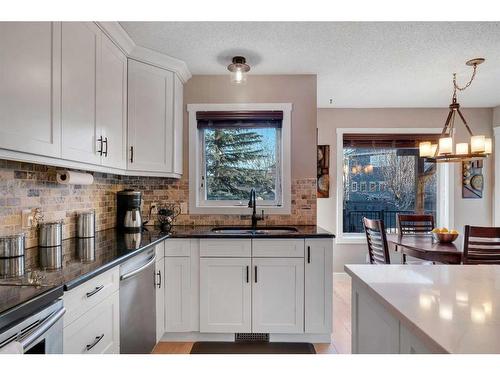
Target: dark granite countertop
x,y
84,259
205,231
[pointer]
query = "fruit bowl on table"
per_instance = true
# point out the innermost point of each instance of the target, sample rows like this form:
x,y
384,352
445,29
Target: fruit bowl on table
x,y
447,237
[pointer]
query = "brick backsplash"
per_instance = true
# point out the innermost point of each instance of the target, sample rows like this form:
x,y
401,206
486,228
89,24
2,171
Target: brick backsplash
x,y
25,185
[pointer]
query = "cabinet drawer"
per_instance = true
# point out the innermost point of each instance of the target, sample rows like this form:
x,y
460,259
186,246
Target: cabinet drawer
x,y
177,248
97,331
278,248
84,297
228,248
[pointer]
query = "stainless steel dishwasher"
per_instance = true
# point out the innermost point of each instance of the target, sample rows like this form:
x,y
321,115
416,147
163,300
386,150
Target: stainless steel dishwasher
x,y
137,304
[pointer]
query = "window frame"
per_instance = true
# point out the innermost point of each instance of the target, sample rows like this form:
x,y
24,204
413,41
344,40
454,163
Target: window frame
x,y
198,204
445,182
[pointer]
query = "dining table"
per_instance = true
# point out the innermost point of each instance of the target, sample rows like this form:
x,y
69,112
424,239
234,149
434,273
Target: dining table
x,y
423,246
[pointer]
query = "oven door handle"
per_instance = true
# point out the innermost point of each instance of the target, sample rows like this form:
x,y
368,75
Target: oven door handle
x,y
136,271
42,328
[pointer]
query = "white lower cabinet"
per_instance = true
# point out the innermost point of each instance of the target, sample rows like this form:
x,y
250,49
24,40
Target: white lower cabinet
x,y
95,332
278,295
225,295
178,294
160,296
318,286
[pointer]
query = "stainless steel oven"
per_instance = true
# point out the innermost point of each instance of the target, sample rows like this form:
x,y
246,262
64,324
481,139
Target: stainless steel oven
x,y
40,333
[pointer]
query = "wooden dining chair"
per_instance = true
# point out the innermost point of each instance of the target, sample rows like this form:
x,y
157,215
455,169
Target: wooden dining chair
x,y
414,223
481,245
378,250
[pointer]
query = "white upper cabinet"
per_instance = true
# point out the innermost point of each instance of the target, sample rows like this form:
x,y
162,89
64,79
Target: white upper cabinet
x,y
63,101
112,104
178,124
80,49
30,87
153,138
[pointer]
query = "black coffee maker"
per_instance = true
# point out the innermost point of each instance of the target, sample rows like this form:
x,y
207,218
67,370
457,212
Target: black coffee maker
x,y
128,210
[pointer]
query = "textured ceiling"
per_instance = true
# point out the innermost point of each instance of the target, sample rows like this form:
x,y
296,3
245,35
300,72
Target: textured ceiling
x,y
358,64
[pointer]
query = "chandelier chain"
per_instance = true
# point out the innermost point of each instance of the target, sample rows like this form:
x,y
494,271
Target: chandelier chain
x,y
455,85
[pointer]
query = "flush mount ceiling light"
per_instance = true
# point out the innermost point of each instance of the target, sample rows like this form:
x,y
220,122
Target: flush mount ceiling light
x,y
239,70
478,147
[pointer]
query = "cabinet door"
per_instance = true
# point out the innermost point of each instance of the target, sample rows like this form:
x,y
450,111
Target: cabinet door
x,y
80,48
95,332
160,297
225,295
177,294
318,286
278,295
30,87
178,124
150,118
111,104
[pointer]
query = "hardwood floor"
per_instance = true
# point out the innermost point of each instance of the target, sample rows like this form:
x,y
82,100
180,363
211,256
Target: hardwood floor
x,y
341,336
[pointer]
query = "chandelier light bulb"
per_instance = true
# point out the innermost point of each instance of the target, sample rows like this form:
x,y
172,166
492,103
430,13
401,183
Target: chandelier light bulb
x,y
462,148
488,146
477,144
445,145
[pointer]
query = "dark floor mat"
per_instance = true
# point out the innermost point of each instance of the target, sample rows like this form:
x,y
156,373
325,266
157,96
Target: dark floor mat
x,y
222,347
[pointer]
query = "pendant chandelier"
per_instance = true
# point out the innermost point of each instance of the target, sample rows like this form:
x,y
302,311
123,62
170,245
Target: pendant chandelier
x,y
479,146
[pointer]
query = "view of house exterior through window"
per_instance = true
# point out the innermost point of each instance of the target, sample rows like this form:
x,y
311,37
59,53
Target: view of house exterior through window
x,y
239,159
380,182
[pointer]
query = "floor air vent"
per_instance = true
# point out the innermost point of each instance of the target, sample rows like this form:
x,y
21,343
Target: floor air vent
x,y
254,337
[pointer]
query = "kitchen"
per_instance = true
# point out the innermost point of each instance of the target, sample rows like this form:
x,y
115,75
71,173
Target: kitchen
x,y
156,202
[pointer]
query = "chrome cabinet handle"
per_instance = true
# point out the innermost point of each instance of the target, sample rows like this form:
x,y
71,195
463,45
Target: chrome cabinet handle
x,y
96,290
39,330
95,342
159,279
100,150
105,141
136,271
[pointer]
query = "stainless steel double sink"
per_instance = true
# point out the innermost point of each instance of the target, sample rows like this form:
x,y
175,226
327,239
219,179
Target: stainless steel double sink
x,y
259,230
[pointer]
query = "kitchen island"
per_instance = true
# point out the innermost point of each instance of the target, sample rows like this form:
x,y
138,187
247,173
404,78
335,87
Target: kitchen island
x,y
425,309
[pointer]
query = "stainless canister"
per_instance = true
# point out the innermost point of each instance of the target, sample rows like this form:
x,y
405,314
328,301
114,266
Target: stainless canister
x,y
85,224
12,267
12,246
85,248
50,257
50,234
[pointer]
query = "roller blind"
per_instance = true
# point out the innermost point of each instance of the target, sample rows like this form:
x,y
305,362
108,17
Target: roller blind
x,y
239,119
387,140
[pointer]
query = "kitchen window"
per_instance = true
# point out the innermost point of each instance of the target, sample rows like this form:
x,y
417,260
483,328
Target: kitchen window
x,y
391,176
236,151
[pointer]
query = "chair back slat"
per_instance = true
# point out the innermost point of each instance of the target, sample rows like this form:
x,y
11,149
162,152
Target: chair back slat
x,y
481,245
414,223
378,249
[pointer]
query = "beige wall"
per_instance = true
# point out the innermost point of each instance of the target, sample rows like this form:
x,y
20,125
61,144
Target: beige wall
x,y
466,211
300,90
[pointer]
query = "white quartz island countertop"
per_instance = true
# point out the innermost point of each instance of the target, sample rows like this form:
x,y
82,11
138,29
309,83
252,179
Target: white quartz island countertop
x,y
451,308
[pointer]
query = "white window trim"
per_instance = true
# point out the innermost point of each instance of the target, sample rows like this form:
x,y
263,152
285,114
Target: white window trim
x,y
445,187
194,159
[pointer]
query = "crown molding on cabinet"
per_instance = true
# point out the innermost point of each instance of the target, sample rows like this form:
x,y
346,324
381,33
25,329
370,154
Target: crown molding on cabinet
x,y
120,37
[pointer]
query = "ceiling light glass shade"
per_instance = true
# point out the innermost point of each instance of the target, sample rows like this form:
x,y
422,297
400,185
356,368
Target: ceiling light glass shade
x,y
434,148
488,146
239,70
477,143
462,149
425,149
445,145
